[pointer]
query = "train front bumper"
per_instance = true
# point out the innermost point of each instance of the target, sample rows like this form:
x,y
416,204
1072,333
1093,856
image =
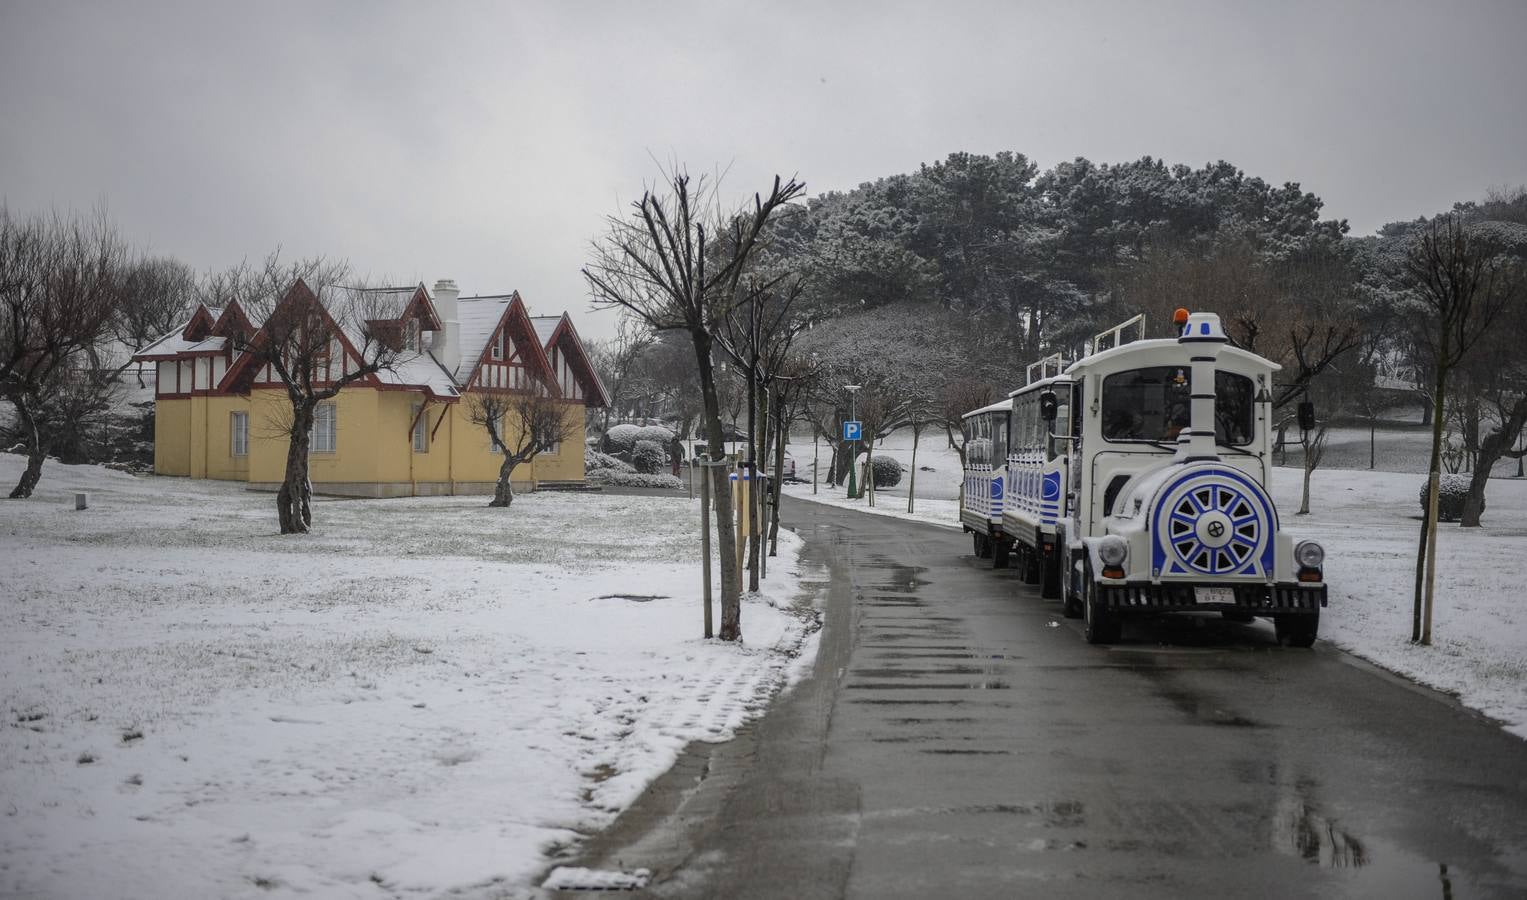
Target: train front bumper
x,y
1256,599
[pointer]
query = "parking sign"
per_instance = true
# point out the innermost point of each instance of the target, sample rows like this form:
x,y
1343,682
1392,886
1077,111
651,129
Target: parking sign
x,y
851,430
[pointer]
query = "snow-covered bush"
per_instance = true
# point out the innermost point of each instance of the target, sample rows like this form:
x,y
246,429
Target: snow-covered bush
x,y
887,471
615,478
1451,492
649,457
657,434
621,439
594,461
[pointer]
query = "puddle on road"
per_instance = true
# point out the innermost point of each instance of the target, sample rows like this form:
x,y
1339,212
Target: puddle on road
x,y
899,655
941,670
877,701
958,752
992,684
1299,830
942,720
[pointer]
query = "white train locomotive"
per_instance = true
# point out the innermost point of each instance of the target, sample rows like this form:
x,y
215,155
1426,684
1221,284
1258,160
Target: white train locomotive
x,y
1137,485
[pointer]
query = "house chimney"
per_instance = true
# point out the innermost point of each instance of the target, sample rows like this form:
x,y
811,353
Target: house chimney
x,y
446,344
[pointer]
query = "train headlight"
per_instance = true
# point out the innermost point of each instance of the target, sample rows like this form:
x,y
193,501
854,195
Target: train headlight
x,y
1309,554
1113,550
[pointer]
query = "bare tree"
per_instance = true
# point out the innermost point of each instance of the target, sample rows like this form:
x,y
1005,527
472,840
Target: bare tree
x,y
1461,287
1314,452
959,397
757,332
157,295
317,336
677,263
521,425
617,360
1497,376
60,286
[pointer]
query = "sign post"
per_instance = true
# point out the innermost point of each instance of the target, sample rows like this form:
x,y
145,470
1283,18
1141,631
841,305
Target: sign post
x,y
852,433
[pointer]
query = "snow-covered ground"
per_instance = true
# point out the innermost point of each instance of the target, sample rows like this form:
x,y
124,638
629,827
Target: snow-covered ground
x,y
425,696
1368,522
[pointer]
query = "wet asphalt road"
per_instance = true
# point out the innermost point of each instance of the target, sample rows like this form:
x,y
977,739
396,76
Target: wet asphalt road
x,y
958,738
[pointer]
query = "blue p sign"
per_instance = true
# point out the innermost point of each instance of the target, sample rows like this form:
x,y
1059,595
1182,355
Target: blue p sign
x,y
852,430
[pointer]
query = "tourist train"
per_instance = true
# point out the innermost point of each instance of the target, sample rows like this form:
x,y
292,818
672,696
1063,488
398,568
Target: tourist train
x,y
1133,481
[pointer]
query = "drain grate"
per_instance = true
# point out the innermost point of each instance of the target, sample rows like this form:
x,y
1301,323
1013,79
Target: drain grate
x,y
566,878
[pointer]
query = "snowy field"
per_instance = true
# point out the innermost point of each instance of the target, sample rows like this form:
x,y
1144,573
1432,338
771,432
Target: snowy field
x,y
1368,523
424,697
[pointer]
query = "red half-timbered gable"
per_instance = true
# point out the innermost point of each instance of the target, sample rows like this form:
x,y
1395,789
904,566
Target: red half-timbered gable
x,y
574,372
512,359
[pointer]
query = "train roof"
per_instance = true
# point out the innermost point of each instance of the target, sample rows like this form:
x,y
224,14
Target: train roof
x,y
1113,354
999,406
1040,383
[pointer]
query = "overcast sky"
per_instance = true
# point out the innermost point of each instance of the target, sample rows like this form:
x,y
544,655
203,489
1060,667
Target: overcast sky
x,y
486,141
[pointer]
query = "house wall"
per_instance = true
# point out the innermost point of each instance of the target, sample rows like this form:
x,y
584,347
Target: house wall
x,y
172,437
357,449
567,463
219,461
373,457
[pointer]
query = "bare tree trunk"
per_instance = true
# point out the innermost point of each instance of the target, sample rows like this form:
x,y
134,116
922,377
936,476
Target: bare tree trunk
x,y
1372,442
37,451
912,478
294,499
503,492
726,539
779,486
1491,449
1428,517
755,400
1309,468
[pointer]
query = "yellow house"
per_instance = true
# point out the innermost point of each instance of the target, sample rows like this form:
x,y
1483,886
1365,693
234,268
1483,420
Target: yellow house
x,y
404,431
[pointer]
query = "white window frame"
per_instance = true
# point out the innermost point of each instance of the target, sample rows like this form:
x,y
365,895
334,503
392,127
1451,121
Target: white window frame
x,y
421,429
325,433
498,346
238,438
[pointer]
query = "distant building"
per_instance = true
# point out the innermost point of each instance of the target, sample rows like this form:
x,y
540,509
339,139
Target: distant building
x,y
403,432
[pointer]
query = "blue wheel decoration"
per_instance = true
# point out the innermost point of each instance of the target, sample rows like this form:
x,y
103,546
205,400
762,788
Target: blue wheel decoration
x,y
1214,522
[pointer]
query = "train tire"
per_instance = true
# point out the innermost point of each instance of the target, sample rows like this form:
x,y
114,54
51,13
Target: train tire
x,y
1239,615
983,545
1101,626
1050,587
1028,564
1297,631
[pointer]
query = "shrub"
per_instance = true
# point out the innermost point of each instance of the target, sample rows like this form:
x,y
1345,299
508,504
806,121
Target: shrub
x,y
887,471
1451,492
649,457
657,434
594,461
616,478
621,439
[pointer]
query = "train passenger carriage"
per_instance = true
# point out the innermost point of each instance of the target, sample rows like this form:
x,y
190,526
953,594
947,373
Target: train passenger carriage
x,y
981,498
1037,473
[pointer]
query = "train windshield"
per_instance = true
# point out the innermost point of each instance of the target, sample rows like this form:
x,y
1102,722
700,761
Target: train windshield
x,y
1152,404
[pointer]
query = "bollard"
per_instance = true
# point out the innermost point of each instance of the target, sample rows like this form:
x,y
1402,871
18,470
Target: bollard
x,y
81,500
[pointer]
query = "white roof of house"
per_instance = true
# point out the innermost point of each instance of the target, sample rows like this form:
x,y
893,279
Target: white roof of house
x,y
545,327
174,343
420,369
479,317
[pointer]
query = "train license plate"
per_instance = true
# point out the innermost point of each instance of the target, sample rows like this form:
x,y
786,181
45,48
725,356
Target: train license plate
x,y
1213,595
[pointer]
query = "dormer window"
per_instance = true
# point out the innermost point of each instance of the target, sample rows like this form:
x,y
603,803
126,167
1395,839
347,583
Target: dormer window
x,y
411,335
498,345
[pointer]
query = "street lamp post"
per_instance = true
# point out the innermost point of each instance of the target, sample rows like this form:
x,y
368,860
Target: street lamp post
x,y
853,455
